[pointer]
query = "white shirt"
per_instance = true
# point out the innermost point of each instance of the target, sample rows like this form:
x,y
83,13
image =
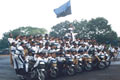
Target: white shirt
x,y
60,59
11,40
20,50
35,48
13,50
113,50
118,49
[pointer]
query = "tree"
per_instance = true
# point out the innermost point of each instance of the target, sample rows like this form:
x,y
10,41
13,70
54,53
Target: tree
x,y
60,30
80,28
28,31
118,41
98,29
20,31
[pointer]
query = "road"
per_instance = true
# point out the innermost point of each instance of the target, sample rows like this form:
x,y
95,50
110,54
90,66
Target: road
x,y
111,73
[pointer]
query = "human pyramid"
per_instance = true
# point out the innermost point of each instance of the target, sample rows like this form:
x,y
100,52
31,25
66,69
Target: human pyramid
x,y
42,57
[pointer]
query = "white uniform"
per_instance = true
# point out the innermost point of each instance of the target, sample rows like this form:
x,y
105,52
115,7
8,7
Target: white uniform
x,y
46,51
18,61
38,60
112,50
118,50
86,55
14,56
60,59
35,49
11,40
27,58
71,35
100,54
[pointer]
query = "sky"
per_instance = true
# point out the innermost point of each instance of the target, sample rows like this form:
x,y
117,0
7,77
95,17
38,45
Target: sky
x,y
39,13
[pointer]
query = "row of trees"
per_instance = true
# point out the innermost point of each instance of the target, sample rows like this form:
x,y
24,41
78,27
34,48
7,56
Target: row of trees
x,y
20,31
98,29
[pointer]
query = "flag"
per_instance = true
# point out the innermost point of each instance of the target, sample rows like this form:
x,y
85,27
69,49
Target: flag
x,y
63,10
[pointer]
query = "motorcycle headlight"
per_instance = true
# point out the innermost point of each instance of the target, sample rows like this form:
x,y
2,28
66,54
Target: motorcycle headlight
x,y
42,63
42,69
102,56
71,60
54,65
54,62
80,59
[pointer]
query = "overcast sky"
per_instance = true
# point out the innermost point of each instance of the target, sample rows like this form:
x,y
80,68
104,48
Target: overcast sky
x,y
39,13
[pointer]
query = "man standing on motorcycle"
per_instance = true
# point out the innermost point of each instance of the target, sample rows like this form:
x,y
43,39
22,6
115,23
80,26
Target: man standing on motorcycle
x,y
119,50
10,41
18,58
112,51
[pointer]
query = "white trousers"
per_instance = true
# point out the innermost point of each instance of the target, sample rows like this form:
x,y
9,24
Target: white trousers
x,y
18,61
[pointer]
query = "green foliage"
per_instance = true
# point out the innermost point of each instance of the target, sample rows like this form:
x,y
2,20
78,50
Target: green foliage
x,y
80,28
28,31
60,29
98,29
20,31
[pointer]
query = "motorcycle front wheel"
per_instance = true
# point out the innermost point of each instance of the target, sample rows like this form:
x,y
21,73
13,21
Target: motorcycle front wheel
x,y
53,73
70,71
88,67
79,69
101,65
41,75
108,63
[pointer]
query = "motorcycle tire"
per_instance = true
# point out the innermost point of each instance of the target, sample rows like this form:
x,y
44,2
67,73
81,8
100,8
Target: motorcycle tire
x,y
33,74
88,67
108,63
70,71
41,76
101,65
53,73
79,69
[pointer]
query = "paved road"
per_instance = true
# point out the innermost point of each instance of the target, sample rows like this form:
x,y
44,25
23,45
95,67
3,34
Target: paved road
x,y
111,73
6,71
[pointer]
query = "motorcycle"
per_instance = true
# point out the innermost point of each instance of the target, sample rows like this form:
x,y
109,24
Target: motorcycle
x,y
100,64
37,72
52,69
108,61
69,66
78,64
87,63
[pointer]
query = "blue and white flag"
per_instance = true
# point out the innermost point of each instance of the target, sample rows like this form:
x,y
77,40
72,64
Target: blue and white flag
x,y
63,10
